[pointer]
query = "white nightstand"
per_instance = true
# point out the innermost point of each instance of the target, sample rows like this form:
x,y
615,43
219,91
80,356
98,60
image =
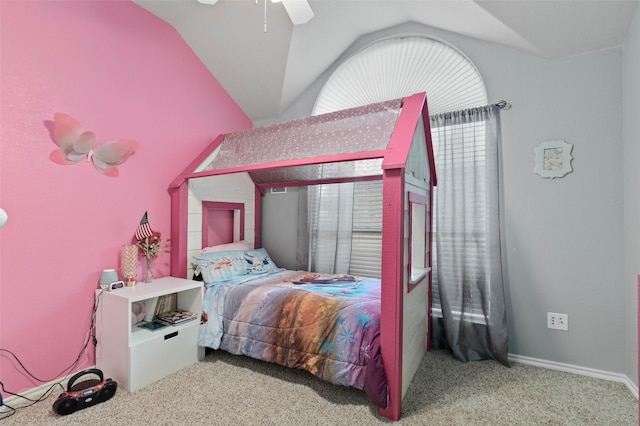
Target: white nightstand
x,y
135,357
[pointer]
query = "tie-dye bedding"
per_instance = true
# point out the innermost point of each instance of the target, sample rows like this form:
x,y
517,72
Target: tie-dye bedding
x,y
327,325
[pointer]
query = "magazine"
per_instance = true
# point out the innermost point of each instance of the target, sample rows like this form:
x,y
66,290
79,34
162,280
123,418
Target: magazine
x,y
175,317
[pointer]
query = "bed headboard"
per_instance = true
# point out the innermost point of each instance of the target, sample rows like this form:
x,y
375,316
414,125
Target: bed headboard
x,y
215,210
222,222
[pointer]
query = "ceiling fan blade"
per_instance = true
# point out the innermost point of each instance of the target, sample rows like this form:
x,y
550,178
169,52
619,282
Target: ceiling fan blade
x,y
299,11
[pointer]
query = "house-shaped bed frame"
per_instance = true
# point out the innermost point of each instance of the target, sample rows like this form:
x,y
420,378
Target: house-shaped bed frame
x,y
388,141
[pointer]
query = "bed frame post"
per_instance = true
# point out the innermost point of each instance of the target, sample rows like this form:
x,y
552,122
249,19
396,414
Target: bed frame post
x,y
391,309
257,203
179,214
433,181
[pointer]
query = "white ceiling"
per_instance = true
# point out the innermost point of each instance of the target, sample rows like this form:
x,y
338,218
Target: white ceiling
x,y
265,72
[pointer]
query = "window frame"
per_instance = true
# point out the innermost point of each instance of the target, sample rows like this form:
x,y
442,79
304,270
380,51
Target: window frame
x,y
416,199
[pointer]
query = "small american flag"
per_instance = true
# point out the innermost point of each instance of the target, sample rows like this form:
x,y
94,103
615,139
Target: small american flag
x,y
144,230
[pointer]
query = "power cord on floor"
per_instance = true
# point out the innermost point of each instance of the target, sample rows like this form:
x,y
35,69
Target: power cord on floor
x,y
91,336
12,410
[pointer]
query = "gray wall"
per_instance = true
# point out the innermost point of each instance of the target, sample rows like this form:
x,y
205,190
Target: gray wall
x,y
279,227
565,236
564,240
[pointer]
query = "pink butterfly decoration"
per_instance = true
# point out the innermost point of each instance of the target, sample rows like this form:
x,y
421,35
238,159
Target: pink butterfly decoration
x,y
76,144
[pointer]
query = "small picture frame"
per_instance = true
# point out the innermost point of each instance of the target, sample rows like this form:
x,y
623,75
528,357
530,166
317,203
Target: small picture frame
x,y
553,159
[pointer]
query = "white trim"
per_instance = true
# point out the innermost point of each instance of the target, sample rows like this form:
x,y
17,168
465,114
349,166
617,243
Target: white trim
x,y
37,392
575,369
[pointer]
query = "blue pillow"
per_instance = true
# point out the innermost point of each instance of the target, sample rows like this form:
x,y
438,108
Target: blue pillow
x,y
221,266
258,262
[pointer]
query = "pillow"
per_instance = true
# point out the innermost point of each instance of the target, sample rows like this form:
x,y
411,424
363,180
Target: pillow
x,y
258,262
221,266
238,245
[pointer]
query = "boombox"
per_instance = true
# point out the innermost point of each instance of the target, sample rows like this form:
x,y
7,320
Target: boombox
x,y
84,394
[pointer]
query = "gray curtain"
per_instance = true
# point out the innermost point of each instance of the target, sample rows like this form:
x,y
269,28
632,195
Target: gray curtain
x,y
469,309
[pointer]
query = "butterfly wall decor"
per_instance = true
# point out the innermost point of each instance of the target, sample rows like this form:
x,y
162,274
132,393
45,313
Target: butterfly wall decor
x,y
75,144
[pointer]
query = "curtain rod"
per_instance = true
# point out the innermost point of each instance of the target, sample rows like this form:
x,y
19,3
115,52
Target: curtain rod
x,y
503,105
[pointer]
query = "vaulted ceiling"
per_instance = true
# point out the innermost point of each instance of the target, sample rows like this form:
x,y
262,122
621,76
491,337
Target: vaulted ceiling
x,y
265,72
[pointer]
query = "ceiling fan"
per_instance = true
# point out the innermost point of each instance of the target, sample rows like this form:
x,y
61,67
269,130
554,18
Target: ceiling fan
x,y
299,10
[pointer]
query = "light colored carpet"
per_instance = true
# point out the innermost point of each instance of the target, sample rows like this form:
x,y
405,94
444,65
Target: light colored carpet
x,y
229,390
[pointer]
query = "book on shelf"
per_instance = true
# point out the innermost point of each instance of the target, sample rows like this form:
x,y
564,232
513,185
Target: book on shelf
x,y
176,317
166,303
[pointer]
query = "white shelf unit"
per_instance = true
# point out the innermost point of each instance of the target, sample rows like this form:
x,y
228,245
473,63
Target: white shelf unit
x,y
135,357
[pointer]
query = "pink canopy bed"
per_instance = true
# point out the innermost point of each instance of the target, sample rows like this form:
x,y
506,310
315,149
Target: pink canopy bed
x,y
216,200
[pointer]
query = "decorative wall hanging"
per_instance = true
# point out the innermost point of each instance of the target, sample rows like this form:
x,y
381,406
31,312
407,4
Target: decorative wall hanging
x,y
553,159
75,143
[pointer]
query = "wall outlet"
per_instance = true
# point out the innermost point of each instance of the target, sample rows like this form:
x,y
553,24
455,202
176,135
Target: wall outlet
x,y
558,321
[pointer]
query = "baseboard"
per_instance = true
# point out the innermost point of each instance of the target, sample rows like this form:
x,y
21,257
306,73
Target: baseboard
x,y
37,392
584,371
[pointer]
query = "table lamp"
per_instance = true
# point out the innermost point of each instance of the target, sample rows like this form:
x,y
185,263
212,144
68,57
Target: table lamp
x,y
107,277
129,264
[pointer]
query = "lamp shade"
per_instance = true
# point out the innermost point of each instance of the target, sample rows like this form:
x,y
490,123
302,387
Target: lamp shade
x,y
129,263
108,276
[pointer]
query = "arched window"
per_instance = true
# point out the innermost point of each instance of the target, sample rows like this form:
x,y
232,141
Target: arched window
x,y
401,66
465,260
392,68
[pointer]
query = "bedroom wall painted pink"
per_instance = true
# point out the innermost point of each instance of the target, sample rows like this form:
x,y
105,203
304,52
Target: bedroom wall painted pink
x,y
122,73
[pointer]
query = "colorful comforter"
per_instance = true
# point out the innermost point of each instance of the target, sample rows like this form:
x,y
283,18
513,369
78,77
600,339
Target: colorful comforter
x,y
327,325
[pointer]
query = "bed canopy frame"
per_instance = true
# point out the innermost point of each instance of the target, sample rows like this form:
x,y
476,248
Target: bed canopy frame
x,y
388,141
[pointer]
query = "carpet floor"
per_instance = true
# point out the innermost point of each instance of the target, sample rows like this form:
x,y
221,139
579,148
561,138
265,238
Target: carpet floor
x,y
225,389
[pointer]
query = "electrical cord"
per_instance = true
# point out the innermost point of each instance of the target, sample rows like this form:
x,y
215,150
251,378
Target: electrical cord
x,y
12,410
91,336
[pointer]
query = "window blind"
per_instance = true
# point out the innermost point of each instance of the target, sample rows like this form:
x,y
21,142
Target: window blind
x,y
366,243
464,161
